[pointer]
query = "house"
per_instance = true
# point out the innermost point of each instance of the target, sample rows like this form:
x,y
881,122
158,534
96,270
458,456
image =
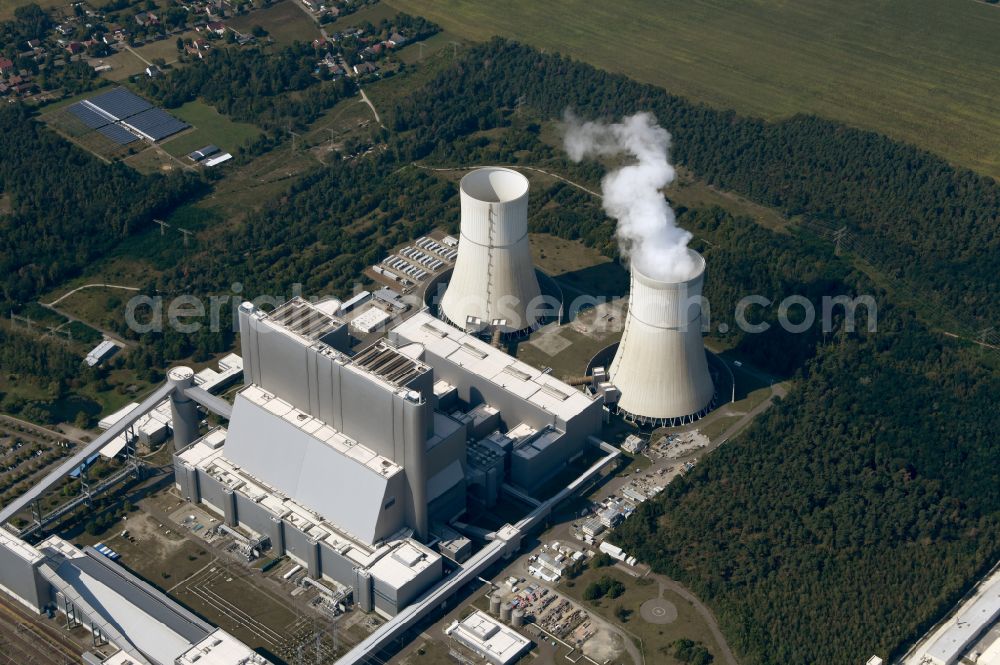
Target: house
x,y
74,48
34,43
6,66
153,71
217,27
319,43
25,88
396,40
363,68
146,18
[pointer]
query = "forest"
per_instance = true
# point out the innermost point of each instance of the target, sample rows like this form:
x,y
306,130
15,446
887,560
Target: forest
x,y
270,90
930,224
67,207
870,481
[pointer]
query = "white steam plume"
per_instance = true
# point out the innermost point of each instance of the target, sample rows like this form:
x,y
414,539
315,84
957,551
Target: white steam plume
x,y
647,230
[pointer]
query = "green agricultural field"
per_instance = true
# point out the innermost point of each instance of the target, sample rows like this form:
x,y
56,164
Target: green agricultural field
x,y
922,71
285,23
210,126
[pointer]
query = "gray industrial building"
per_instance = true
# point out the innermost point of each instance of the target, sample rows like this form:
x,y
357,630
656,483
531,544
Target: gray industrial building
x,y
89,589
538,421
344,461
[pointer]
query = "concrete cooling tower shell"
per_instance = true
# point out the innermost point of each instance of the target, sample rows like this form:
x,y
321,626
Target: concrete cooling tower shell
x,y
660,366
494,276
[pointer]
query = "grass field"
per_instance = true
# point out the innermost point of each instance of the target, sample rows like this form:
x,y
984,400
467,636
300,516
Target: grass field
x,y
655,638
210,126
164,48
285,23
922,71
123,65
151,160
7,7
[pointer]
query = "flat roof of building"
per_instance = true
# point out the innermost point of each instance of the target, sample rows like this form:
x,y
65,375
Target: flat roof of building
x,y
18,547
403,564
148,618
221,648
971,620
387,363
502,369
302,319
496,641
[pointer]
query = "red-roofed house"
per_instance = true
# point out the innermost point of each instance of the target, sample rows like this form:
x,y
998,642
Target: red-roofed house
x,y
6,66
217,27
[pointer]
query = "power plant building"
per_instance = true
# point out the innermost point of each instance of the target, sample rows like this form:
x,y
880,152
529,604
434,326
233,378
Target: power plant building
x,y
660,367
343,461
90,589
538,420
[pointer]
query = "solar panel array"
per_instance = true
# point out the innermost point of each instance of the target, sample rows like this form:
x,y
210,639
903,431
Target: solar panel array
x,y
120,103
118,134
102,111
87,116
156,124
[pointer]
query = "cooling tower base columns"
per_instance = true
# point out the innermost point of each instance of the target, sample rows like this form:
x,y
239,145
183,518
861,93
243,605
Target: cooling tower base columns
x,y
644,421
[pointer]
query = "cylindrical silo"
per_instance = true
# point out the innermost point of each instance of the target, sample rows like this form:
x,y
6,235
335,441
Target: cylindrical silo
x,y
517,618
495,604
505,612
660,367
494,277
183,410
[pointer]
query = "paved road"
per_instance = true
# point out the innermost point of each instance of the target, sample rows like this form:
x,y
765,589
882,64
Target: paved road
x,y
777,390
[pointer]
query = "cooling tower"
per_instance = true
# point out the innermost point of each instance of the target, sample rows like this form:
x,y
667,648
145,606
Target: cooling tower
x,y
660,366
494,277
